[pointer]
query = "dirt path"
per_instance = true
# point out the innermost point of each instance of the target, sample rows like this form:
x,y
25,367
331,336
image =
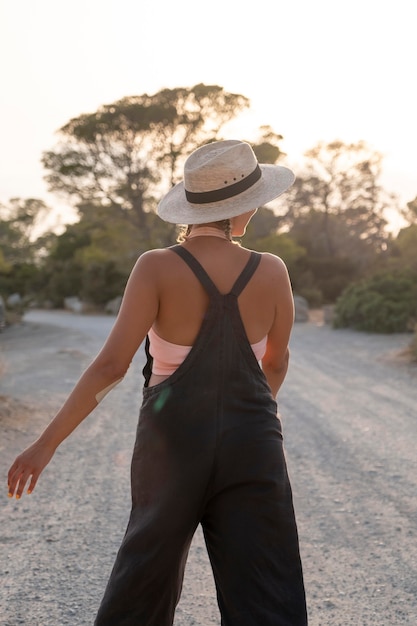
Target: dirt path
x,y
349,409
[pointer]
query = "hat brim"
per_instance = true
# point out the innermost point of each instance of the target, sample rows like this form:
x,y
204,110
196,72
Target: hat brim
x,y
176,209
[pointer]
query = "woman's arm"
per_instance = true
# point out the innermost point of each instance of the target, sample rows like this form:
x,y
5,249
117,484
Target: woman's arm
x,y
275,361
137,313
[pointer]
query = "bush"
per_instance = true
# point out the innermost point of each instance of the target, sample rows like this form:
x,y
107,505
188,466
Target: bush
x,y
313,296
101,282
18,278
383,303
328,276
61,279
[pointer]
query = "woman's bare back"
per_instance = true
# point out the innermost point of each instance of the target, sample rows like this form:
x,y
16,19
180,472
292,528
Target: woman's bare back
x,y
183,300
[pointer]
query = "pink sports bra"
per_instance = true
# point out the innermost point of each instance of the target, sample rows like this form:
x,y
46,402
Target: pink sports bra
x,y
167,356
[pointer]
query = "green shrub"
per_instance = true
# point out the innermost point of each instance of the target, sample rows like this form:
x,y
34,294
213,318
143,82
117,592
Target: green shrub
x,y
329,276
18,278
313,296
101,282
383,303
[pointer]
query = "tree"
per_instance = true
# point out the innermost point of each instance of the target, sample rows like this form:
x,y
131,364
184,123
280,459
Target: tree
x,y
121,156
410,213
20,247
20,221
404,248
339,202
266,147
4,267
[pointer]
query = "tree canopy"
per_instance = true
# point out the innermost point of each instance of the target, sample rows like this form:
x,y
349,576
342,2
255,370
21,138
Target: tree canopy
x,y
123,155
19,221
336,207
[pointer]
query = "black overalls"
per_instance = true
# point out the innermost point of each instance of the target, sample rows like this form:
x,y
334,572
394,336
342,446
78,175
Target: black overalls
x,y
209,450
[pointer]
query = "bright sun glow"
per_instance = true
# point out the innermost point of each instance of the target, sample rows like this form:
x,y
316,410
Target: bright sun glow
x,y
312,70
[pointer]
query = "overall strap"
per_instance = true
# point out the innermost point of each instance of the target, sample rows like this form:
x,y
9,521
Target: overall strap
x,y
246,274
241,282
197,268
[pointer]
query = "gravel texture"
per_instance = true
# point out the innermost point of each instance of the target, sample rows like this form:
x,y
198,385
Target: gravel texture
x,y
349,410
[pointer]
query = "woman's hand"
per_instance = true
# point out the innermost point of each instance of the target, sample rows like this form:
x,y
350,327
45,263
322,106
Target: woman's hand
x,y
27,465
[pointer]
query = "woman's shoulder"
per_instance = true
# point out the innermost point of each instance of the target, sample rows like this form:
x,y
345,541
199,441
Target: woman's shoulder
x,y
272,263
159,265
155,257
150,264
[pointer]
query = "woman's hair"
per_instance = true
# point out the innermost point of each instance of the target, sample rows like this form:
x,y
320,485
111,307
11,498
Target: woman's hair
x,y
221,225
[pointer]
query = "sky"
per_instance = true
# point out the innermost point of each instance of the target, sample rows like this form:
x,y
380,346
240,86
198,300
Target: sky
x,y
313,70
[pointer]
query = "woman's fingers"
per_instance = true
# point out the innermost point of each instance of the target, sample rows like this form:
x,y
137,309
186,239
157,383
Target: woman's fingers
x,y
12,480
28,465
17,482
21,484
18,476
33,482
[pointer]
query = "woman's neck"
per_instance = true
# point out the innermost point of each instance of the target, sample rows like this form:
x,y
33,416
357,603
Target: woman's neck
x,y
207,231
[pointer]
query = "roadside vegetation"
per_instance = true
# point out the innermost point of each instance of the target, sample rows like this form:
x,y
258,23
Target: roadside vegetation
x,y
112,166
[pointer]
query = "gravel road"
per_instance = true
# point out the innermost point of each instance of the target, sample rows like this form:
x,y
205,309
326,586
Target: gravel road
x,y
349,410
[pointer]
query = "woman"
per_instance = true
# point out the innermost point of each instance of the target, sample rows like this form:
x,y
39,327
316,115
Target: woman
x,y
208,450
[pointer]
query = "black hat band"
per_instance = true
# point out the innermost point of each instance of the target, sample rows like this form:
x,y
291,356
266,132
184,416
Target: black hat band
x,y
204,197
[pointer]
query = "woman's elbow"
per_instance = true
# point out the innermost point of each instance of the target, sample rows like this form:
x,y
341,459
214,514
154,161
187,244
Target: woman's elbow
x,y
109,369
277,364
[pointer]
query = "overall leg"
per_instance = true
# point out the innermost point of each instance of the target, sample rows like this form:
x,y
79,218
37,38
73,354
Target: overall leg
x,y
169,479
252,540
145,584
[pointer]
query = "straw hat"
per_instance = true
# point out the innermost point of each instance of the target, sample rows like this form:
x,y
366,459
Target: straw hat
x,y
221,180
